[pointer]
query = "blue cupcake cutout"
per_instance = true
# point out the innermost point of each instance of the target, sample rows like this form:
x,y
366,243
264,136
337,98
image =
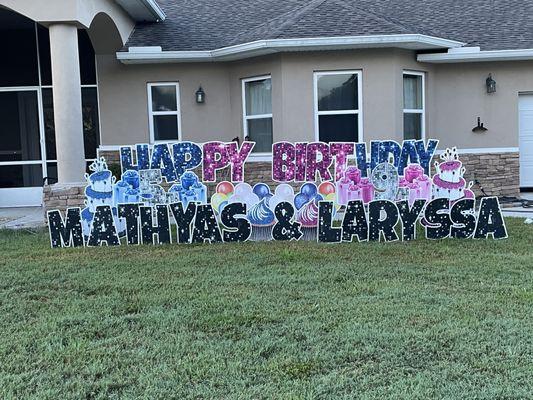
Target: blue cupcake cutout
x,y
260,214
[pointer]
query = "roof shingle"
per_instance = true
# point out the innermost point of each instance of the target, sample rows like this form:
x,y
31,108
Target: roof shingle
x,y
213,24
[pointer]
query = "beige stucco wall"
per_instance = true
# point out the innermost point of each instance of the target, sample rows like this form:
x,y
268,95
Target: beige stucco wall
x,y
455,96
123,100
458,96
124,108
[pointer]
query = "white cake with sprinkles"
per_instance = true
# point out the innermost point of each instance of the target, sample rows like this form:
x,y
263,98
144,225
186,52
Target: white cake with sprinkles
x,y
448,181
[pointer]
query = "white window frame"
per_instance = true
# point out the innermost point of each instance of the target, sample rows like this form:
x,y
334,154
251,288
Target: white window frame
x,y
359,111
416,111
152,113
264,156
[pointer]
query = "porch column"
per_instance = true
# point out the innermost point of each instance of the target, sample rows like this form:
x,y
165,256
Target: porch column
x,y
67,103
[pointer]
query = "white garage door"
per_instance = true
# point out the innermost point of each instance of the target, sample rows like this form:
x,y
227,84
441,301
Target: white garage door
x,y
526,141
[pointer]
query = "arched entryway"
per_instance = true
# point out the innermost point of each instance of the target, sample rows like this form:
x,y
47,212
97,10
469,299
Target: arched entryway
x,y
28,111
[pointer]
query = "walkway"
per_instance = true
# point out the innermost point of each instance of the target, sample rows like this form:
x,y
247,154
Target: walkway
x,y
21,218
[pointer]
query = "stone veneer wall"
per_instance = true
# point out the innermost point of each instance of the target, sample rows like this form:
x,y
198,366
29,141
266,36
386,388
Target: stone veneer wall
x,y
62,196
498,173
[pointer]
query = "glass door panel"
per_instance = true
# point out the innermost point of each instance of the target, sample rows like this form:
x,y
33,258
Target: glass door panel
x,y
20,138
21,175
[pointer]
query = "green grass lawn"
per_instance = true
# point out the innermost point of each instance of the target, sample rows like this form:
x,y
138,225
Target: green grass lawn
x,y
422,320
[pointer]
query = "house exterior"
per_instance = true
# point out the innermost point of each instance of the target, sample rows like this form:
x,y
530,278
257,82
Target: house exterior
x,y
82,77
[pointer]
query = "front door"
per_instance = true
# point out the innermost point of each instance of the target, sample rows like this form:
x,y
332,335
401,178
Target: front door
x,y
21,148
526,141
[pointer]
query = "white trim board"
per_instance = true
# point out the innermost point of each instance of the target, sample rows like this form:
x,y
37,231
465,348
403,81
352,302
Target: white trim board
x,y
143,10
480,150
110,147
21,197
259,158
475,55
154,54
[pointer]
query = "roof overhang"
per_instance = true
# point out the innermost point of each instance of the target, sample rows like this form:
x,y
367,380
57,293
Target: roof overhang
x,y
474,54
154,54
143,10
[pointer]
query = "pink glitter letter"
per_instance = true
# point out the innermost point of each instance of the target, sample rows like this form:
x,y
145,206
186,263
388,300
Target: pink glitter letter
x,y
237,158
314,164
283,161
341,151
301,152
215,157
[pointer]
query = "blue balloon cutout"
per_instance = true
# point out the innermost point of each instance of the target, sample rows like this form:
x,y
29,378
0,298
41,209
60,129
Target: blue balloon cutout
x,y
300,199
309,189
261,190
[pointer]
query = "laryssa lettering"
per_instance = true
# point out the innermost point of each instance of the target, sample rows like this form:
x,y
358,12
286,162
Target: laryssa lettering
x,y
328,193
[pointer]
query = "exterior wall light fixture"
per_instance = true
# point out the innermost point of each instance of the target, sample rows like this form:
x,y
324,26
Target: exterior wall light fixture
x,y
480,128
491,85
200,96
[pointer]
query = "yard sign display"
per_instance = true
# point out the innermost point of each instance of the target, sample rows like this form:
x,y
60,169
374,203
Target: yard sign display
x,y
331,193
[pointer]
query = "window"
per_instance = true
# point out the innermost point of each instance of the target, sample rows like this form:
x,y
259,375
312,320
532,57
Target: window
x,y
338,106
257,112
164,111
413,105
